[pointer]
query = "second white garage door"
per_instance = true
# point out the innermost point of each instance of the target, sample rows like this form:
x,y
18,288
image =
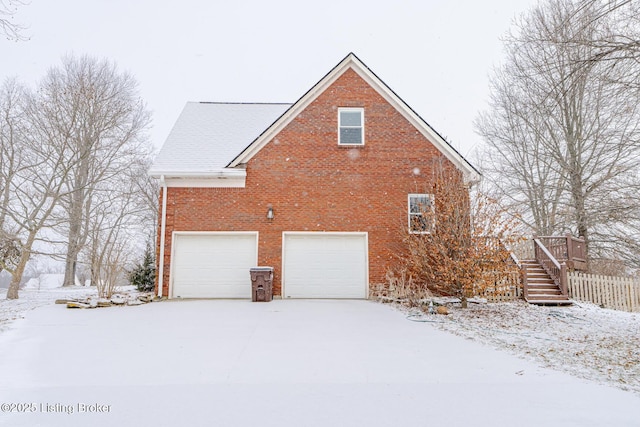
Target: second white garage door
x,y
213,265
325,265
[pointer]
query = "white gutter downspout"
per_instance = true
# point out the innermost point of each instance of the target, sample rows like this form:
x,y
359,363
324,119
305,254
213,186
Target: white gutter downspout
x,y
163,227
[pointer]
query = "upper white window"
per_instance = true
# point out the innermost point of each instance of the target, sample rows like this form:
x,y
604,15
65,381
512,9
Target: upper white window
x,y
421,213
351,126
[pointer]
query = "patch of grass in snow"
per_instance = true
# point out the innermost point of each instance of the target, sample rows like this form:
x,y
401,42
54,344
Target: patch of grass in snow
x,y
11,310
584,340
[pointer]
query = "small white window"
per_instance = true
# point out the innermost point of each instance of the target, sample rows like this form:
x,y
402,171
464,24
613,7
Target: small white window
x,y
351,126
421,213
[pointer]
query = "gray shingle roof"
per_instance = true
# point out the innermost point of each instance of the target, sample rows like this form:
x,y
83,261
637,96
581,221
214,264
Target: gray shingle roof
x,y
207,136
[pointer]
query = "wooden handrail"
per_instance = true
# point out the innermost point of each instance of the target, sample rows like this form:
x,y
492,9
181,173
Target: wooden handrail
x,y
525,287
547,253
551,265
515,259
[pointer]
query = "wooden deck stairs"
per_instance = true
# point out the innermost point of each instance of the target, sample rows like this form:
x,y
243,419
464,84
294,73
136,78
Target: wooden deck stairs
x,y
541,288
545,271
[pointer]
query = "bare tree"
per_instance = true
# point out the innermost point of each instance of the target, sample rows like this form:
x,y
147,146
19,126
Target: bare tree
x,y
100,112
563,131
12,134
12,138
73,159
527,184
146,190
11,29
120,221
37,185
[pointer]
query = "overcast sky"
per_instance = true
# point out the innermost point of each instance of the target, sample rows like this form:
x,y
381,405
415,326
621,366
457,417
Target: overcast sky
x,y
436,55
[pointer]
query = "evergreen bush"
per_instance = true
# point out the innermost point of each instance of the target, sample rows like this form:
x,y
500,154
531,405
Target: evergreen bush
x,y
143,276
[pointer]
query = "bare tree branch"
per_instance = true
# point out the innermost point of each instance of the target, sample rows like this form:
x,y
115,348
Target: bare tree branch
x,y
564,128
73,159
100,112
8,27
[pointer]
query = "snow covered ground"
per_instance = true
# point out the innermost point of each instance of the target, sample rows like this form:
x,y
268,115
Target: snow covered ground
x,y
583,340
311,363
34,298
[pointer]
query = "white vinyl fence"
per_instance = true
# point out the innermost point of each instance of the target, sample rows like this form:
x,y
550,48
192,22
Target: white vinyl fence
x,y
618,293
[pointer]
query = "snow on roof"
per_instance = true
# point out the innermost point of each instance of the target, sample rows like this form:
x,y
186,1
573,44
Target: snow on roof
x,y
207,136
211,139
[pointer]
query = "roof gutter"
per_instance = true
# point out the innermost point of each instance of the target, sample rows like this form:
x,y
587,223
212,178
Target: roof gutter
x,y
220,174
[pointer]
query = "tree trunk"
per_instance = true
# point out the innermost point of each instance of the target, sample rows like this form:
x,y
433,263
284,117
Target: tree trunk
x,y
16,275
16,278
76,205
95,262
581,216
73,246
70,268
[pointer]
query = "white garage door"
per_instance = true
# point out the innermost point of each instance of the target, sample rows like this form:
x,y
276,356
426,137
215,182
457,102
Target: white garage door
x,y
325,265
213,265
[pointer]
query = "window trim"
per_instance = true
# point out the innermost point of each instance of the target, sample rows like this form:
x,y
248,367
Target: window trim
x,y
361,127
410,214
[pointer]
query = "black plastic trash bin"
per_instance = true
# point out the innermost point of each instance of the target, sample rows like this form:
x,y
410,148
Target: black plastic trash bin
x,y
261,284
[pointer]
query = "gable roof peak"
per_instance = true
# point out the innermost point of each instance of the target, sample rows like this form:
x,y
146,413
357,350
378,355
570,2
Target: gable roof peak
x,y
351,61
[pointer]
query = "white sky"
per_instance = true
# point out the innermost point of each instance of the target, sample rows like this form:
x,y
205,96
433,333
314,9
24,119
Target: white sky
x,y
436,55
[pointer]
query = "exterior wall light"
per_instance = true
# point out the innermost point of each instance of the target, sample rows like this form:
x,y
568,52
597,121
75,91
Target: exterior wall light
x,y
270,213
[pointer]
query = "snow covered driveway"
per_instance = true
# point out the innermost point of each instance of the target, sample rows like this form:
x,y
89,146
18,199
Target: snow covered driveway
x,y
283,363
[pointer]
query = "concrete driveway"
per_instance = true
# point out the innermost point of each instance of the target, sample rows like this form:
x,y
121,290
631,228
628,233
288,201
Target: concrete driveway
x,y
283,363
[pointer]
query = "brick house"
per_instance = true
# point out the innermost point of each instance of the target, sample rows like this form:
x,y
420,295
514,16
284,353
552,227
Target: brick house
x,y
321,189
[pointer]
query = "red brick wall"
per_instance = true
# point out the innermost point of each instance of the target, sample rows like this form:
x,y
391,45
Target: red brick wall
x,y
315,185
